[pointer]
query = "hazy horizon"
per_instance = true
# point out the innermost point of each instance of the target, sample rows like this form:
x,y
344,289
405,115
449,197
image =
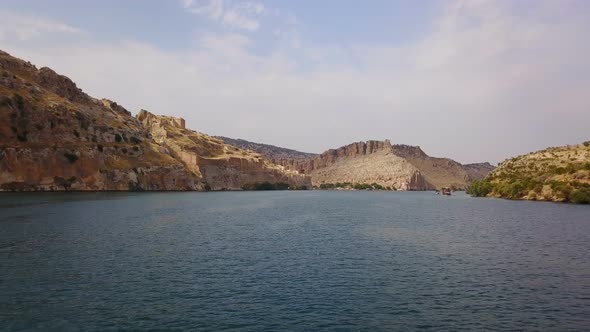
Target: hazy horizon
x,y
474,81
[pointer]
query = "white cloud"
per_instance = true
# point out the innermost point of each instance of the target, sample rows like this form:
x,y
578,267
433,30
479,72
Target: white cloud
x,y
484,83
28,27
242,15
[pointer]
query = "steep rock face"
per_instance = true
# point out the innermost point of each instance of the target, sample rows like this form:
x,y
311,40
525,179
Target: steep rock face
x,y
55,137
403,166
442,172
362,162
222,166
433,172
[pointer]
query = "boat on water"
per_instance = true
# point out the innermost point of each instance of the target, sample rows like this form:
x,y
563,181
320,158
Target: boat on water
x,y
445,191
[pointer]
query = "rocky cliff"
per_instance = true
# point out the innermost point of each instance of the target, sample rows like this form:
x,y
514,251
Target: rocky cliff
x,y
222,166
400,166
442,172
558,174
54,137
362,162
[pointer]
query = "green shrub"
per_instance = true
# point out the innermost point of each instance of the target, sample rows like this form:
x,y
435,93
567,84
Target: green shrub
x,y
480,188
298,188
362,186
562,190
581,196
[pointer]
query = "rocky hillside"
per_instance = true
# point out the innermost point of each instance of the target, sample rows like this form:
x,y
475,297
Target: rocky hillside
x,y
222,166
478,171
380,162
442,172
269,151
559,174
362,163
55,137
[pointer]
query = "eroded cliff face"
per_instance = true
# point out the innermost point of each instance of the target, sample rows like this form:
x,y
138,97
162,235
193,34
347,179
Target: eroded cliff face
x,y
401,166
55,137
222,166
362,162
442,172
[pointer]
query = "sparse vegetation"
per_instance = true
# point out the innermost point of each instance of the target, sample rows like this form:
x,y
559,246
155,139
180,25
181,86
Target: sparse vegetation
x,y
563,177
266,186
581,196
356,186
480,188
295,187
272,186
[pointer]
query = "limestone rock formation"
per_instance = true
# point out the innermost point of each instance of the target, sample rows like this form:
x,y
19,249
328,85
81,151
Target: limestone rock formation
x,y
442,172
222,166
54,137
359,163
401,166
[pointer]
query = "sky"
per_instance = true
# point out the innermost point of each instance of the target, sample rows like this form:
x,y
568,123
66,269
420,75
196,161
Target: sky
x,y
472,80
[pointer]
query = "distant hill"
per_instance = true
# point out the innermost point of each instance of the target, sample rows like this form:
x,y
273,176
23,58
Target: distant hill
x,y
267,150
396,166
442,172
558,174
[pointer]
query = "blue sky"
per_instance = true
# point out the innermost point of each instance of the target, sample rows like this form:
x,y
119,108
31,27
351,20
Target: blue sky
x,y
476,80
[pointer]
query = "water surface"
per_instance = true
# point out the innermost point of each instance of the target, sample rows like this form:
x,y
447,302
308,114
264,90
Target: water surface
x,y
300,261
